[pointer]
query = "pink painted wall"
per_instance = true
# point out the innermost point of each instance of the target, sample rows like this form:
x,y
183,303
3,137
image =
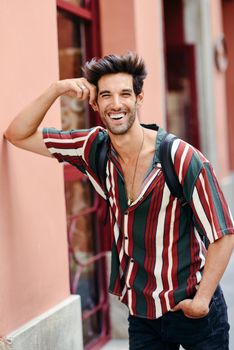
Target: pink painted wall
x,y
33,246
117,26
220,94
228,23
149,44
132,26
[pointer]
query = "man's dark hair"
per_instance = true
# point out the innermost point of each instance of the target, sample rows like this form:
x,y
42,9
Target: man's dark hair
x,y
130,63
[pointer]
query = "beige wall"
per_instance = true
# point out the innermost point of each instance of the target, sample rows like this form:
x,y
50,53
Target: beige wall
x,y
132,26
220,94
33,248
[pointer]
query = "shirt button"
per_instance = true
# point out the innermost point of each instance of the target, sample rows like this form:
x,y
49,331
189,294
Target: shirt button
x,y
126,237
126,213
129,288
132,260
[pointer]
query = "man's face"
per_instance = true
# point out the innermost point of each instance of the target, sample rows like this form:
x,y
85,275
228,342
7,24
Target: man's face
x,y
117,103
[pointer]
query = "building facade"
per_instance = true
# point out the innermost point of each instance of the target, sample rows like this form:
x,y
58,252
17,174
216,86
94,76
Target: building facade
x,y
53,259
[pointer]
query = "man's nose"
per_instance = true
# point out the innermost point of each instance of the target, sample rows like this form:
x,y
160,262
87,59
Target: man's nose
x,y
116,102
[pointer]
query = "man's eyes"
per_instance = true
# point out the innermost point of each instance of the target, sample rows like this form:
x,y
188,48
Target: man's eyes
x,y
125,94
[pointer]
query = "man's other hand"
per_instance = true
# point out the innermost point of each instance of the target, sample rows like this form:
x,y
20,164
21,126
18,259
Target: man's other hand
x,y
192,308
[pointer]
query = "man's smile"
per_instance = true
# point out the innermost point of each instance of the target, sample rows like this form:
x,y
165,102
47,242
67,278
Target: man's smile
x,y
117,116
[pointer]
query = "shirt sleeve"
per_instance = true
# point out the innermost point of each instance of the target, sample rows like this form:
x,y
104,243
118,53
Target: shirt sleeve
x,y
80,148
66,146
211,213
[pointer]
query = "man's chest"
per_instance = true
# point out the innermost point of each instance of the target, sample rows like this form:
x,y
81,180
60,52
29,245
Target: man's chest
x,y
134,176
148,178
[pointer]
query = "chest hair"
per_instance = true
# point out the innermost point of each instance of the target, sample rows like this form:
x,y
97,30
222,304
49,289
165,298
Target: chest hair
x,y
128,168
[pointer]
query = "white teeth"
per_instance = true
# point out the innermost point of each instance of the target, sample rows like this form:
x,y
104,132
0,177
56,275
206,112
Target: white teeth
x,y
117,116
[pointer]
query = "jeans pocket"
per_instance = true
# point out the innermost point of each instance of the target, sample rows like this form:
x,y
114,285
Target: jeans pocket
x,y
220,322
182,329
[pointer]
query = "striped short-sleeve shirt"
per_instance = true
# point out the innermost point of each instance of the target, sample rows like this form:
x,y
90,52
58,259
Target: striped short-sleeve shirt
x,y
158,253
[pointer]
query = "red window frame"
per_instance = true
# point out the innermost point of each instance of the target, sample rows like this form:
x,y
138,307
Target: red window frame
x,y
90,16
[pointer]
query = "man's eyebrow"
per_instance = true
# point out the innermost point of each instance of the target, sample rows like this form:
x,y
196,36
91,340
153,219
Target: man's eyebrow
x,y
127,90
104,92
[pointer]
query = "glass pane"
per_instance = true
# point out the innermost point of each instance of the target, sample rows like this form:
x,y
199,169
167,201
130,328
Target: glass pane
x,y
91,328
70,46
177,107
81,230
71,59
178,95
87,287
181,95
79,196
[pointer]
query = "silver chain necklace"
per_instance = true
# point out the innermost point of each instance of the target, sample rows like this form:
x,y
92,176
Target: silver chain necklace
x,y
130,194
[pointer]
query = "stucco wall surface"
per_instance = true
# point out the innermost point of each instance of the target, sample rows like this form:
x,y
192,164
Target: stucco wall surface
x,y
228,11
219,93
136,27
33,245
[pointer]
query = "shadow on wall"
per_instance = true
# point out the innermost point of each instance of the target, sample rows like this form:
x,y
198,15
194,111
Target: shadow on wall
x,y
6,227
6,198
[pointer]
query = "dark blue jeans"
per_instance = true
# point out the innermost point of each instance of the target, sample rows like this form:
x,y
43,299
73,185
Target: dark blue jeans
x,y
174,329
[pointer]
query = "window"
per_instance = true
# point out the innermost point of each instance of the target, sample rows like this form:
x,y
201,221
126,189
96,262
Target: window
x,y
77,42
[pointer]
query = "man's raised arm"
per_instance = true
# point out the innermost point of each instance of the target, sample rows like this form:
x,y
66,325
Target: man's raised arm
x,y
24,130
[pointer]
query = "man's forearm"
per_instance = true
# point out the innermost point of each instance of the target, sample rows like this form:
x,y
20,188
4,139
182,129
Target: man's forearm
x,y
24,131
28,120
218,256
217,259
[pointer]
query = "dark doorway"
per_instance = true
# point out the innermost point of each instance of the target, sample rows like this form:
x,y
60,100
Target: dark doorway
x,y
180,62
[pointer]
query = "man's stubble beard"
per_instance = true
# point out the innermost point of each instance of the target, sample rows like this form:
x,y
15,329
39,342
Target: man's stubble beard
x,y
121,129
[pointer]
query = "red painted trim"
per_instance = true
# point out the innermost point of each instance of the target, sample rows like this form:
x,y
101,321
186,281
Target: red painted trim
x,y
99,307
75,10
84,212
173,12
81,267
97,343
194,122
89,261
96,44
93,49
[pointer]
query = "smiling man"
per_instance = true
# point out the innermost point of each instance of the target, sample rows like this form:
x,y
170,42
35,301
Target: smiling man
x,y
117,102
160,267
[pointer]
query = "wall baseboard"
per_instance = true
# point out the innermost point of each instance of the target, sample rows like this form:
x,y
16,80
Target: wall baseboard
x,y
59,328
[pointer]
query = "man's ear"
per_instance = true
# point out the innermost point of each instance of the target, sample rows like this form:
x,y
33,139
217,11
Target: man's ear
x,y
140,98
94,105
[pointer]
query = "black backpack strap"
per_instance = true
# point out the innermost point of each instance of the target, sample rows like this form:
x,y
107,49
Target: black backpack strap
x,y
168,169
171,177
102,162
